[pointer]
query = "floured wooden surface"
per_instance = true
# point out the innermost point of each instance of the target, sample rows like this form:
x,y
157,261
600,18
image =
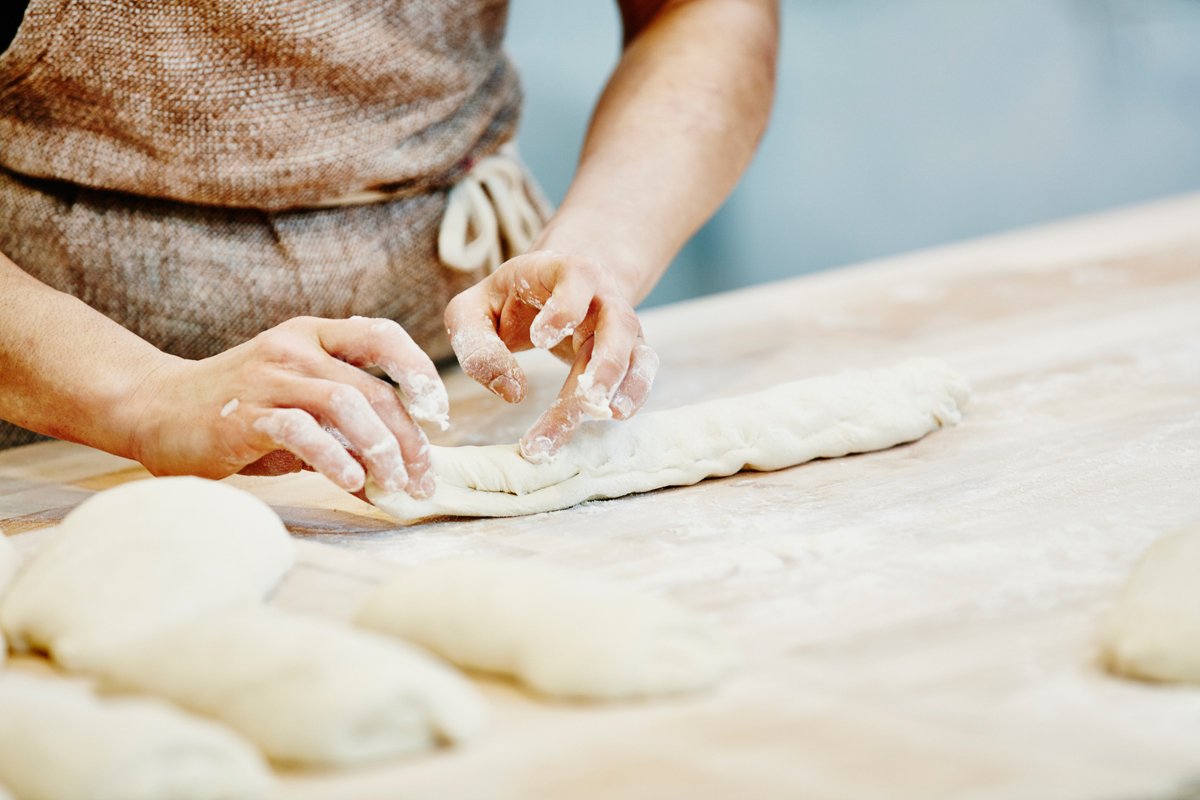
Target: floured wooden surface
x,y
916,623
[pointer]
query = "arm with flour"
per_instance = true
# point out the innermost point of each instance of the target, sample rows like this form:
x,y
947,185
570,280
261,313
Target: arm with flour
x,y
852,412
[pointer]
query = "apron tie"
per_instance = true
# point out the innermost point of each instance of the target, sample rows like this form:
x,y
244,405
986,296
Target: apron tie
x,y
500,205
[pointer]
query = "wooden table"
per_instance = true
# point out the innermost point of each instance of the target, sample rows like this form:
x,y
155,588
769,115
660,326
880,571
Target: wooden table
x,y
916,623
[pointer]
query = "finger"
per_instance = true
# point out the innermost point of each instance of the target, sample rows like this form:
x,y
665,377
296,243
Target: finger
x,y
564,310
617,332
483,356
634,390
414,444
554,427
296,431
344,408
385,344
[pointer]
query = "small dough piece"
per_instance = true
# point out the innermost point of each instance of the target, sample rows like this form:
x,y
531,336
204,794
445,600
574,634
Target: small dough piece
x,y
9,562
559,633
140,557
1153,631
306,690
60,742
853,412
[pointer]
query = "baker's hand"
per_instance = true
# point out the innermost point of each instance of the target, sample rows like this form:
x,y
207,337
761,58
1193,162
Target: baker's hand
x,y
572,306
294,396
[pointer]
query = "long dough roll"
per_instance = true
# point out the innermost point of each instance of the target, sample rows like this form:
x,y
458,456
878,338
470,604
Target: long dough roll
x,y
852,412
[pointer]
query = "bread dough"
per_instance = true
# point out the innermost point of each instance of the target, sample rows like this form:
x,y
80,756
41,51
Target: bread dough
x,y
9,561
559,633
60,742
853,412
306,690
140,557
1153,631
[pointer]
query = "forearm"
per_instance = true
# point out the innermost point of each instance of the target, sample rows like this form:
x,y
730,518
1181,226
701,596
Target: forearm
x,y
65,369
672,133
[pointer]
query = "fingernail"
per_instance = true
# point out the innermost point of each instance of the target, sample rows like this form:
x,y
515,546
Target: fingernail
x,y
352,478
623,404
425,487
538,450
506,387
426,398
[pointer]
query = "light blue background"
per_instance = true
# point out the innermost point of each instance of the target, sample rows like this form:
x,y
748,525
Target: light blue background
x,y
906,123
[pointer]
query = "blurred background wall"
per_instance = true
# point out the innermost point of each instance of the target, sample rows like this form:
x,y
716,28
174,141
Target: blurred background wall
x,y
901,124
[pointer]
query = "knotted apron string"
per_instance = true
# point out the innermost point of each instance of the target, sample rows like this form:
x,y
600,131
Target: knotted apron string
x,y
500,205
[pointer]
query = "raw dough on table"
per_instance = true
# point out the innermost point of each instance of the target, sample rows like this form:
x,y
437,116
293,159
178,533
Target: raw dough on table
x,y
306,690
60,742
9,561
1153,631
140,557
853,412
560,633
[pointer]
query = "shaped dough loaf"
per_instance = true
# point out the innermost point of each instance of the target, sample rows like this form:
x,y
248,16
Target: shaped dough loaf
x,y
1153,631
562,634
140,557
9,561
304,689
59,742
854,412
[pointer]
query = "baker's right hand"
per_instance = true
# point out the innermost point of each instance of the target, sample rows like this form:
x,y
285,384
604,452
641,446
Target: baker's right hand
x,y
295,396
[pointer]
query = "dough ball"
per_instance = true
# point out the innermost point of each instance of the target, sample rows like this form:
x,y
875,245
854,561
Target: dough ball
x,y
58,741
1153,631
142,556
559,633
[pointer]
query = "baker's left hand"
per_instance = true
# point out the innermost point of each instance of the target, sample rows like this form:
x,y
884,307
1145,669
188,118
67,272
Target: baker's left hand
x,y
574,307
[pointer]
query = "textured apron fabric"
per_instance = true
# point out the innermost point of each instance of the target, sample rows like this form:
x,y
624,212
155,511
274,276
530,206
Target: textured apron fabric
x,y
181,165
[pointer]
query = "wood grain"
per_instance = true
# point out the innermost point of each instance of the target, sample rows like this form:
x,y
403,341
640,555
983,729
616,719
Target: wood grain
x,y
915,623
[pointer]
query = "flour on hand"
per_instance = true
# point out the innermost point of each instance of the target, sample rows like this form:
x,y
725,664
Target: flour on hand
x,y
852,412
559,633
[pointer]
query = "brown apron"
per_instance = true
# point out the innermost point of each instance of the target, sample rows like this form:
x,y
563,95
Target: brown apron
x,y
202,171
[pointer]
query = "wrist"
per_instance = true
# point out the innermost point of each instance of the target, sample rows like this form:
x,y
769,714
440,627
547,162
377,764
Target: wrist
x,y
633,274
138,409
